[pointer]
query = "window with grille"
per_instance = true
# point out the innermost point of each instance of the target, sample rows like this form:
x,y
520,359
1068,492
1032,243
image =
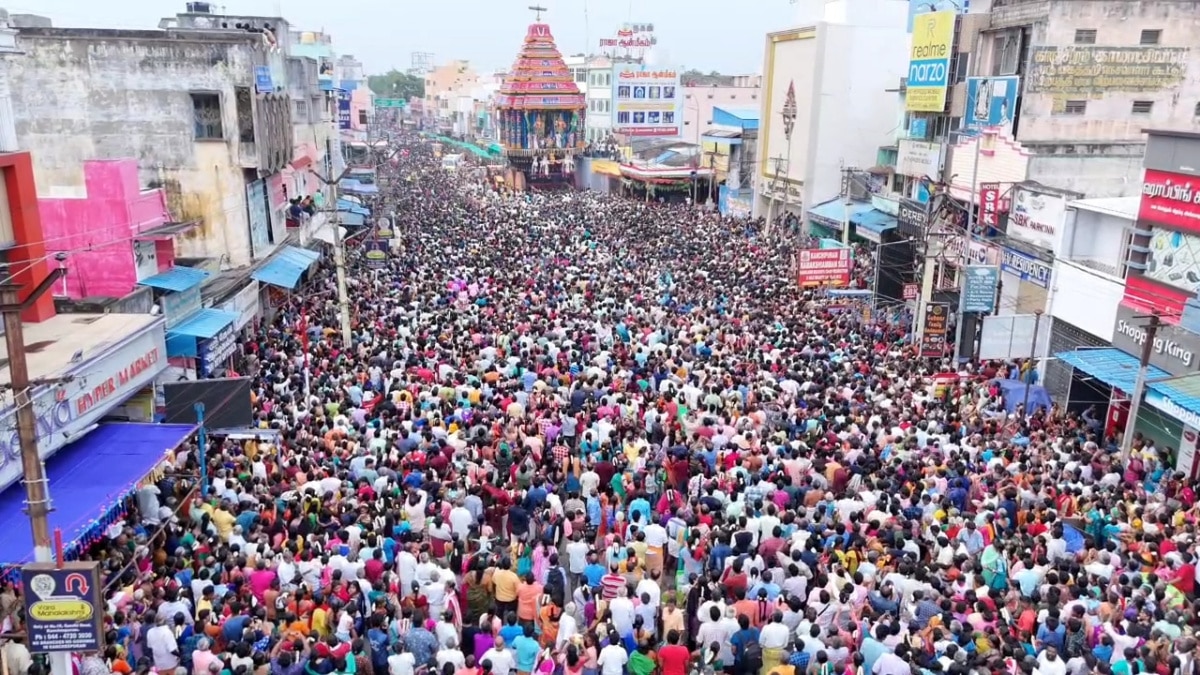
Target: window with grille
x,y
1085,36
1006,53
1150,36
206,117
1075,107
1142,107
300,111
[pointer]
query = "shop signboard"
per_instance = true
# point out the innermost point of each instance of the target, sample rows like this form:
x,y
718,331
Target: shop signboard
x,y
919,159
989,204
245,304
97,385
960,251
343,109
1036,217
179,305
912,217
991,103
214,352
929,61
260,219
935,326
1170,199
383,229
64,607
1026,267
824,267
1175,350
1186,461
389,103
911,292
376,253
647,101
979,288
262,80
1160,401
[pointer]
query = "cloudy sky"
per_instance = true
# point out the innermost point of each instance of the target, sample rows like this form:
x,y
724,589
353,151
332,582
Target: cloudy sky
x,y
384,33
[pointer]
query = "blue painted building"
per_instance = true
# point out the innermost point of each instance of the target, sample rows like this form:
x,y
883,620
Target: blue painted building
x,y
730,150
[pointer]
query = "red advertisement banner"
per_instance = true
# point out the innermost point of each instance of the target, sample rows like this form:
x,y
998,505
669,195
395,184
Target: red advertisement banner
x,y
1171,199
989,204
824,267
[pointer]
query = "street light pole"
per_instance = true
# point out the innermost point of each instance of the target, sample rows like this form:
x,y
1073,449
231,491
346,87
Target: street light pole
x,y
1139,388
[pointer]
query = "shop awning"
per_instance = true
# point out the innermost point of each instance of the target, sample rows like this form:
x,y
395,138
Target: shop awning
x,y
833,212
1109,365
874,221
358,187
351,219
176,279
285,268
204,324
347,206
88,481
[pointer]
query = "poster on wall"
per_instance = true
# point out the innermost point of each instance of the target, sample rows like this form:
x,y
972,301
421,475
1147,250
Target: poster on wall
x,y
991,103
145,259
1174,259
260,219
647,101
376,253
1036,217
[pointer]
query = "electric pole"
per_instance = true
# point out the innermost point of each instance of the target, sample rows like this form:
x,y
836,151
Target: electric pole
x,y
1139,387
37,496
339,262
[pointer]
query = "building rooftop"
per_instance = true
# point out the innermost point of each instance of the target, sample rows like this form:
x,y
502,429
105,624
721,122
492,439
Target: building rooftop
x,y
1125,208
51,346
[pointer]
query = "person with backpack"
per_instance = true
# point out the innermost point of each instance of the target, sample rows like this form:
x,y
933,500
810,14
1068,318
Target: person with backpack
x,y
747,652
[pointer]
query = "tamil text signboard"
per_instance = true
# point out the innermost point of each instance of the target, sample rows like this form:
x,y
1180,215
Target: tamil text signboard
x,y
1170,199
935,327
64,608
1094,71
647,101
824,267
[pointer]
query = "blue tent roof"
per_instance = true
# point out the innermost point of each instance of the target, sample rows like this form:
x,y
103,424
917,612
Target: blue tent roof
x,y
345,205
833,212
178,278
874,220
285,268
1109,365
87,479
356,187
204,324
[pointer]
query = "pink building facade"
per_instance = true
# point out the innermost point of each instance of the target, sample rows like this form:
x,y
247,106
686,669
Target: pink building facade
x,y
99,231
699,101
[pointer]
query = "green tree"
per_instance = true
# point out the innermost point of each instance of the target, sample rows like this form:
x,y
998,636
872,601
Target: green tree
x,y
397,84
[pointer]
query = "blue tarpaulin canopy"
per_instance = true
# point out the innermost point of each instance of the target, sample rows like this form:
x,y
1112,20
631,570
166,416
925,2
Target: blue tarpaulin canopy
x,y
350,219
1109,365
833,212
347,206
88,480
203,324
285,268
1014,395
178,278
874,221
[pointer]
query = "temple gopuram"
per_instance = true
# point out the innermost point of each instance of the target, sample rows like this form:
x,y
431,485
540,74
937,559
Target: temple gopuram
x,y
540,114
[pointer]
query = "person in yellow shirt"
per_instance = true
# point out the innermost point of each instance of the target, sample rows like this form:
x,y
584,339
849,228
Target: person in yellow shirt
x,y
223,520
505,582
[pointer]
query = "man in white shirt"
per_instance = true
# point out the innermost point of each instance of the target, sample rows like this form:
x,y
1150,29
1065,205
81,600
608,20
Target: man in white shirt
x,y
501,658
623,612
613,659
163,646
774,635
402,662
1049,662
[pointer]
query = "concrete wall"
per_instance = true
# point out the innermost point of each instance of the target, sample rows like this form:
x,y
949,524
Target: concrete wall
x,y
97,227
698,104
1096,170
791,59
855,113
91,94
1170,80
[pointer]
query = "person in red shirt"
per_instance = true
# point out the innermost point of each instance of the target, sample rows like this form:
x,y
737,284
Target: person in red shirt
x,y
674,657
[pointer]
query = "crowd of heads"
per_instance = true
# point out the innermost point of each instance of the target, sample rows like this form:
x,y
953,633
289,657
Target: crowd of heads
x,y
578,433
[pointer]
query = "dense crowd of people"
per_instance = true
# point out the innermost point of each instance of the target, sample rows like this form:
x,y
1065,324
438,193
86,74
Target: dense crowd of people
x,y
585,435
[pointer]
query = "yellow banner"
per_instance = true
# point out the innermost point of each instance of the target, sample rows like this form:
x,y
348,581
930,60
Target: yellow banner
x,y
929,61
606,167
